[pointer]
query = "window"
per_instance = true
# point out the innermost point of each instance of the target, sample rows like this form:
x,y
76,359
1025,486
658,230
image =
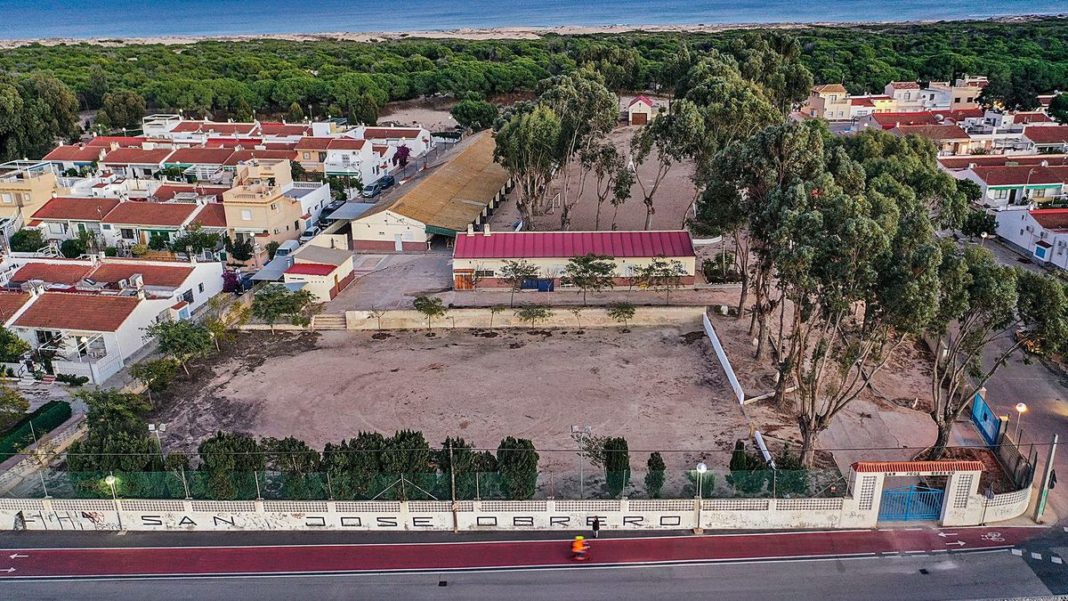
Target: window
x,y
6,198
276,230
200,287
296,225
187,296
106,226
1037,193
246,215
957,100
274,206
307,156
126,233
971,99
1001,194
56,228
484,273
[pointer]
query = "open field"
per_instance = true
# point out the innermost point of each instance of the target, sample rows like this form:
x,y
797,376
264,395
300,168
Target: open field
x,y
660,387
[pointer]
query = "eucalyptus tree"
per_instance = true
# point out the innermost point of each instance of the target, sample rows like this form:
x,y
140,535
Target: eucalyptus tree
x,y
527,146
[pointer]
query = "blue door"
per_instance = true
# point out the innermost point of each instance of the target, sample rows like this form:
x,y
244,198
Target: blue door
x,y
910,503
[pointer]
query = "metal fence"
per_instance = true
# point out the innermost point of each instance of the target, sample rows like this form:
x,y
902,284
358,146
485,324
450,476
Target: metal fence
x,y
273,485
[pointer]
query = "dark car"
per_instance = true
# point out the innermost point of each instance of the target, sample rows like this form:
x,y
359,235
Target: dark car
x,y
387,181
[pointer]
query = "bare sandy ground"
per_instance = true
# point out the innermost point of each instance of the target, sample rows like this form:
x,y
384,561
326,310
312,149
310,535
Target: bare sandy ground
x,y
432,114
671,202
661,388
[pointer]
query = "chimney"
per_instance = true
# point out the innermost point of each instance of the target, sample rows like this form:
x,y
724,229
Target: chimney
x,y
486,230
470,229
141,294
137,281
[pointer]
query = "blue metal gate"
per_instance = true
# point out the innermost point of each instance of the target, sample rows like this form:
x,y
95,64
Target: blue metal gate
x,y
911,503
985,421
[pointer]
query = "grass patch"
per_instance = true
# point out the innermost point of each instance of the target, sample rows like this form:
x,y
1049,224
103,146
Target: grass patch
x,y
46,418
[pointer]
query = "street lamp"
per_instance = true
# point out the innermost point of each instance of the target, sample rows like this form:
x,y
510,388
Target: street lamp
x,y
982,237
158,430
1021,408
701,469
110,481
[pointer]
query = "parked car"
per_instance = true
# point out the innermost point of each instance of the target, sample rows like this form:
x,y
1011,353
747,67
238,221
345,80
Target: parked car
x,y
310,233
334,205
383,183
387,181
286,248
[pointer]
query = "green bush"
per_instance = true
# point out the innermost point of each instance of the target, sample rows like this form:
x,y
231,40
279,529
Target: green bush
x,y
111,251
46,418
27,241
73,248
72,379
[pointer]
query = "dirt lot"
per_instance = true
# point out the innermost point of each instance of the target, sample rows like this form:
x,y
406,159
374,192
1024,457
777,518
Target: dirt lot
x,y
431,113
671,201
659,387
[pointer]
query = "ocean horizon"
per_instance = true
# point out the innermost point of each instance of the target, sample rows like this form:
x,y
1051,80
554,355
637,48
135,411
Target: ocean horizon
x,y
86,19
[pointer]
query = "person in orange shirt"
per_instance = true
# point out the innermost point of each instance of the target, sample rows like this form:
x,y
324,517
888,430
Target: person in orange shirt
x,y
579,548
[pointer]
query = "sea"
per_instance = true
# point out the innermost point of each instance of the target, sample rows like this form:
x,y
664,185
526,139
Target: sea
x,y
37,19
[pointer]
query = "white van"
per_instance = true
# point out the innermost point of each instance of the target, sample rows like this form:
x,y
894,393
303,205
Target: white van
x,y
287,248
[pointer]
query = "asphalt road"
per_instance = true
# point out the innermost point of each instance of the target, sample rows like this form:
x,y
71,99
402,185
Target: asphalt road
x,y
940,576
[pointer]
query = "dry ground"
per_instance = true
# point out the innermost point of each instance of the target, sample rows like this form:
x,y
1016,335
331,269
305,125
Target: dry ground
x,y
431,113
671,201
661,388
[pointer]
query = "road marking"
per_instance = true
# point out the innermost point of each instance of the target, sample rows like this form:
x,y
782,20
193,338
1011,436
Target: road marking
x,y
945,534
959,543
17,556
9,570
1017,552
1036,556
1056,560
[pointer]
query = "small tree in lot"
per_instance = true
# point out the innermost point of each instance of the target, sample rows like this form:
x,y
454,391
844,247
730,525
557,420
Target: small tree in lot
x,y
13,406
589,273
661,275
616,465
494,310
654,475
274,303
534,314
517,462
27,240
182,340
157,374
377,315
621,312
430,306
12,348
514,273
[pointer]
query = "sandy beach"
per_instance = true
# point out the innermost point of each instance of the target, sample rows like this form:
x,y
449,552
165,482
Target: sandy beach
x,y
495,33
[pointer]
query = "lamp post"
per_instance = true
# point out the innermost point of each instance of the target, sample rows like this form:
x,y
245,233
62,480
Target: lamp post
x,y
982,238
158,429
110,481
1021,408
701,469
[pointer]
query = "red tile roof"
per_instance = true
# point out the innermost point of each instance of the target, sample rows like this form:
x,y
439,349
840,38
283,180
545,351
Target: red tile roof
x,y
346,144
291,146
74,153
88,312
201,156
891,120
241,156
10,302
310,143
827,87
863,101
76,209
151,213
213,127
285,129
1047,134
310,269
1031,118
904,85
1051,219
52,273
937,133
994,160
152,275
515,245
645,99
390,133
918,466
232,142
212,215
137,156
960,114
1021,175
122,141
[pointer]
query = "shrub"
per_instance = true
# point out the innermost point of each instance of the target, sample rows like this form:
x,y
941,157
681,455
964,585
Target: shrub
x,y
27,241
46,418
111,251
73,248
616,465
71,379
654,476
139,250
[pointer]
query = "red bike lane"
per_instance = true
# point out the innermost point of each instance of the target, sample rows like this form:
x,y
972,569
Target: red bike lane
x,y
308,559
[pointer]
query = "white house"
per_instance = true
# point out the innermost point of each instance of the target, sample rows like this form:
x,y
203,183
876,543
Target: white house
x,y
640,110
1041,233
417,139
1013,185
907,96
64,218
348,157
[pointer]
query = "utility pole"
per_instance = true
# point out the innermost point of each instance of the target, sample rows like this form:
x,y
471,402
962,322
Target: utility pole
x,y
1049,478
452,482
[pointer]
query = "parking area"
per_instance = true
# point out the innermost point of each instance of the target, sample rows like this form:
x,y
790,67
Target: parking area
x,y
393,281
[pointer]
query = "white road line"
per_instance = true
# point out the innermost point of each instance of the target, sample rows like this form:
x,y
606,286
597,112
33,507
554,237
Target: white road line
x,y
1036,556
1056,560
1017,552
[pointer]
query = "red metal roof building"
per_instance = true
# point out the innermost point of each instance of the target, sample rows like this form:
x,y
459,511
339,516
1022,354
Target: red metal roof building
x,y
310,269
76,209
52,273
1051,219
168,214
211,215
530,245
163,276
81,312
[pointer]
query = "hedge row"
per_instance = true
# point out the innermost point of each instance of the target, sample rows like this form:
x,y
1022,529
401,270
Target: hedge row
x,y
46,418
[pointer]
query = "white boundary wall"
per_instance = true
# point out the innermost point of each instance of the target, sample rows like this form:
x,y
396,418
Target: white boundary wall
x,y
724,361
